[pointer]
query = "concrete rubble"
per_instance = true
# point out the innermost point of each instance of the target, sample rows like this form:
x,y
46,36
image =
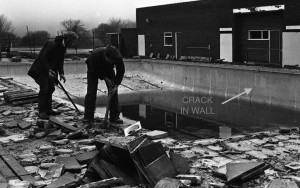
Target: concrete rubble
x,y
55,157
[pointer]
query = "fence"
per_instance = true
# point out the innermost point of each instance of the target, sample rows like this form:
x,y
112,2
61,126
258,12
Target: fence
x,y
34,44
264,56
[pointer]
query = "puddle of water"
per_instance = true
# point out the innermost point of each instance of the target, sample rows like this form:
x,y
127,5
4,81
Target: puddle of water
x,y
181,127
204,116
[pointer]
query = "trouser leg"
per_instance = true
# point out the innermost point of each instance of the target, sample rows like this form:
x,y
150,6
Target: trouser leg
x,y
43,99
51,89
90,97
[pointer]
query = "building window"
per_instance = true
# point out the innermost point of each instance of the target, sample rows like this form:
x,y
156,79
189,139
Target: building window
x,y
258,35
168,39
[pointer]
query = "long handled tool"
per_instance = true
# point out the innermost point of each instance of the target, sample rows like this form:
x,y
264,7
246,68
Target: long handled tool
x,y
62,87
106,121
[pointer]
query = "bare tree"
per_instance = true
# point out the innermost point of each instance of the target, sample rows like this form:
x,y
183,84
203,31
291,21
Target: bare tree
x,y
76,26
117,24
6,26
114,25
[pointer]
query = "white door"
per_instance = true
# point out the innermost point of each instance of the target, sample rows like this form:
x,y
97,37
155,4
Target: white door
x,y
290,48
141,45
226,46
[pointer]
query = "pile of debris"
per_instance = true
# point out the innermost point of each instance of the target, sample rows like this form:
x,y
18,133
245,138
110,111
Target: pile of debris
x,y
19,97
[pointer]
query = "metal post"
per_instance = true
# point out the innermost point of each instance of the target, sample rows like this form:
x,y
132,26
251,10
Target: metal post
x,y
29,39
93,40
33,44
209,52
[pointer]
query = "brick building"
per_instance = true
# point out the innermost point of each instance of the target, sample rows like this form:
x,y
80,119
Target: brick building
x,y
261,31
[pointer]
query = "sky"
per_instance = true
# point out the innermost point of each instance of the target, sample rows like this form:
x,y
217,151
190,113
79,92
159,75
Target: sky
x,y
47,14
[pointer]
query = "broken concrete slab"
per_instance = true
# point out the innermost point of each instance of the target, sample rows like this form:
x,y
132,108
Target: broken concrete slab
x,y
6,172
60,142
189,154
7,113
88,148
237,170
85,142
15,165
221,160
161,167
244,145
103,183
282,137
62,125
293,166
258,141
70,164
3,151
24,125
168,182
67,180
257,154
151,152
84,158
32,169
11,124
206,153
215,148
281,183
18,183
54,171
206,142
114,171
39,184
293,147
46,147
180,163
63,151
294,141
47,165
26,156
153,135
195,179
29,162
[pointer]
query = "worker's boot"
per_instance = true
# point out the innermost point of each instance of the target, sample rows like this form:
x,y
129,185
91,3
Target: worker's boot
x,y
43,116
116,120
53,113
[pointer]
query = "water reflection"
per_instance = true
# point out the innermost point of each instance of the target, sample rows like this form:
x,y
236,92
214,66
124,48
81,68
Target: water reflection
x,y
180,126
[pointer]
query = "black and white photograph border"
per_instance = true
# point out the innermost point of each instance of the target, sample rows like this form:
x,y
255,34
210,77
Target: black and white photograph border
x,y
148,93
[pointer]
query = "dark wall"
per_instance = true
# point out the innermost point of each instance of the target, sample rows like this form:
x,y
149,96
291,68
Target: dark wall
x,y
129,43
256,21
198,22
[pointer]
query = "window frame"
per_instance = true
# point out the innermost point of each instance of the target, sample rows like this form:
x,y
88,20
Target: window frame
x,y
165,36
261,34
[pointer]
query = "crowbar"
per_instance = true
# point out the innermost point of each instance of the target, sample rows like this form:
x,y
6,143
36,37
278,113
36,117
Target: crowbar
x,y
62,87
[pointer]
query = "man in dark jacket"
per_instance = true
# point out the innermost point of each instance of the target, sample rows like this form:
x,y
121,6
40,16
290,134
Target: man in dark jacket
x,y
45,69
100,65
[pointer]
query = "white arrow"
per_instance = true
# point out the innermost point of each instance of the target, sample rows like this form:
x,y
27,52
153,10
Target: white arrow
x,y
247,91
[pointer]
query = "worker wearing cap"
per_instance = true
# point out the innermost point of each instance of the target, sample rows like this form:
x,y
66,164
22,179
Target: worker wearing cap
x,y
46,68
100,65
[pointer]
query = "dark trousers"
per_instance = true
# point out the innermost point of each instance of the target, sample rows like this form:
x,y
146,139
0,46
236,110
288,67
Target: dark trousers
x,y
45,94
91,95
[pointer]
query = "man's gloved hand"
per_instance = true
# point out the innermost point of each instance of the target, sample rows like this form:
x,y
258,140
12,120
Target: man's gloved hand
x,y
111,85
62,78
113,90
52,74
